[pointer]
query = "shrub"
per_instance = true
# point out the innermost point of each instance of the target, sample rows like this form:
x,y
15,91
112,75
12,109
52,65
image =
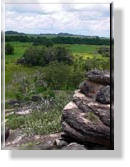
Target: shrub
x,y
97,63
9,49
104,51
62,76
15,121
34,56
25,85
62,54
41,56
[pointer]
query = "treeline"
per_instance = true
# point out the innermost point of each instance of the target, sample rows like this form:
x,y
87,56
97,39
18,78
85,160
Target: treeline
x,y
57,40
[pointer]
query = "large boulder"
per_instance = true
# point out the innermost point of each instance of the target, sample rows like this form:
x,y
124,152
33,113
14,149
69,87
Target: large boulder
x,y
103,95
89,88
102,77
86,119
90,126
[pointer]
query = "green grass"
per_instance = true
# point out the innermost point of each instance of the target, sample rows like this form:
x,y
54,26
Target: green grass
x,y
19,48
45,120
81,48
92,117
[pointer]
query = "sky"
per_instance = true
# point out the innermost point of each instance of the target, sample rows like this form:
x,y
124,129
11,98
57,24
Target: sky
x,y
82,19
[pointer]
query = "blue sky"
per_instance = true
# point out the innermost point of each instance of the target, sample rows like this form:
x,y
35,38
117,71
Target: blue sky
x,y
85,19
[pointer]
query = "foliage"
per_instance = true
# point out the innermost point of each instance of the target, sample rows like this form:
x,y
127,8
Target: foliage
x,y
104,51
61,76
58,39
9,49
26,85
14,121
41,56
43,41
97,63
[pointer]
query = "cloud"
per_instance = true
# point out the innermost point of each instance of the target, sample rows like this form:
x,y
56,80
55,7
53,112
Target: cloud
x,y
87,19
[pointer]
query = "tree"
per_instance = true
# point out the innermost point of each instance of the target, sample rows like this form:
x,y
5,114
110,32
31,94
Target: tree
x,y
34,56
43,41
41,56
9,49
62,54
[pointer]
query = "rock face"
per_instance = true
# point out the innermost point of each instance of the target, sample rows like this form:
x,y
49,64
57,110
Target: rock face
x,y
86,119
103,95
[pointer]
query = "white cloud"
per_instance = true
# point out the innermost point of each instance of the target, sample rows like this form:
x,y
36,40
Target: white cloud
x,y
54,18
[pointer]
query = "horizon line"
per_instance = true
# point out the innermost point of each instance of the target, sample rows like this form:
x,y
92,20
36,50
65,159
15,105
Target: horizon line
x,y
59,33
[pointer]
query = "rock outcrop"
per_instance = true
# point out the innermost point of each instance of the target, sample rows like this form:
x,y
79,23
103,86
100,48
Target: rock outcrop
x,y
86,119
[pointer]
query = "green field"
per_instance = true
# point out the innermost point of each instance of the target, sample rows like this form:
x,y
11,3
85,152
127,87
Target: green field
x,y
12,70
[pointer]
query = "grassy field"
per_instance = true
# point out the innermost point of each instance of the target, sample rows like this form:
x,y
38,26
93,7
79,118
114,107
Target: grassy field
x,y
13,70
22,82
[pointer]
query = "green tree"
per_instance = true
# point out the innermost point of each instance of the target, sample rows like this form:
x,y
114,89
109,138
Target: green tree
x,y
9,49
41,56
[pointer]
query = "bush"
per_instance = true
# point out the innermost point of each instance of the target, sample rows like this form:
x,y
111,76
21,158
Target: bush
x,y
25,85
9,49
60,76
97,63
41,56
104,51
62,54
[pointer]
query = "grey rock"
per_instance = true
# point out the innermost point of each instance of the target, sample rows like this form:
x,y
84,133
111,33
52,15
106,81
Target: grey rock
x,y
103,95
89,88
85,127
74,146
60,143
84,87
97,76
13,102
87,118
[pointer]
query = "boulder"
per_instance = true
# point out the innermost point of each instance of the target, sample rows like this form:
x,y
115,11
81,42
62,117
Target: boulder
x,y
89,88
86,119
103,95
13,102
102,77
74,146
85,127
60,143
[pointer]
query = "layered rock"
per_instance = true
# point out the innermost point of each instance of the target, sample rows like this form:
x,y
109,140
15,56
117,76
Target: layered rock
x,y
86,119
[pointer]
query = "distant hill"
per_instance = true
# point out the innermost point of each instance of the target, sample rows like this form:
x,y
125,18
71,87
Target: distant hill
x,y
61,34
68,35
14,33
